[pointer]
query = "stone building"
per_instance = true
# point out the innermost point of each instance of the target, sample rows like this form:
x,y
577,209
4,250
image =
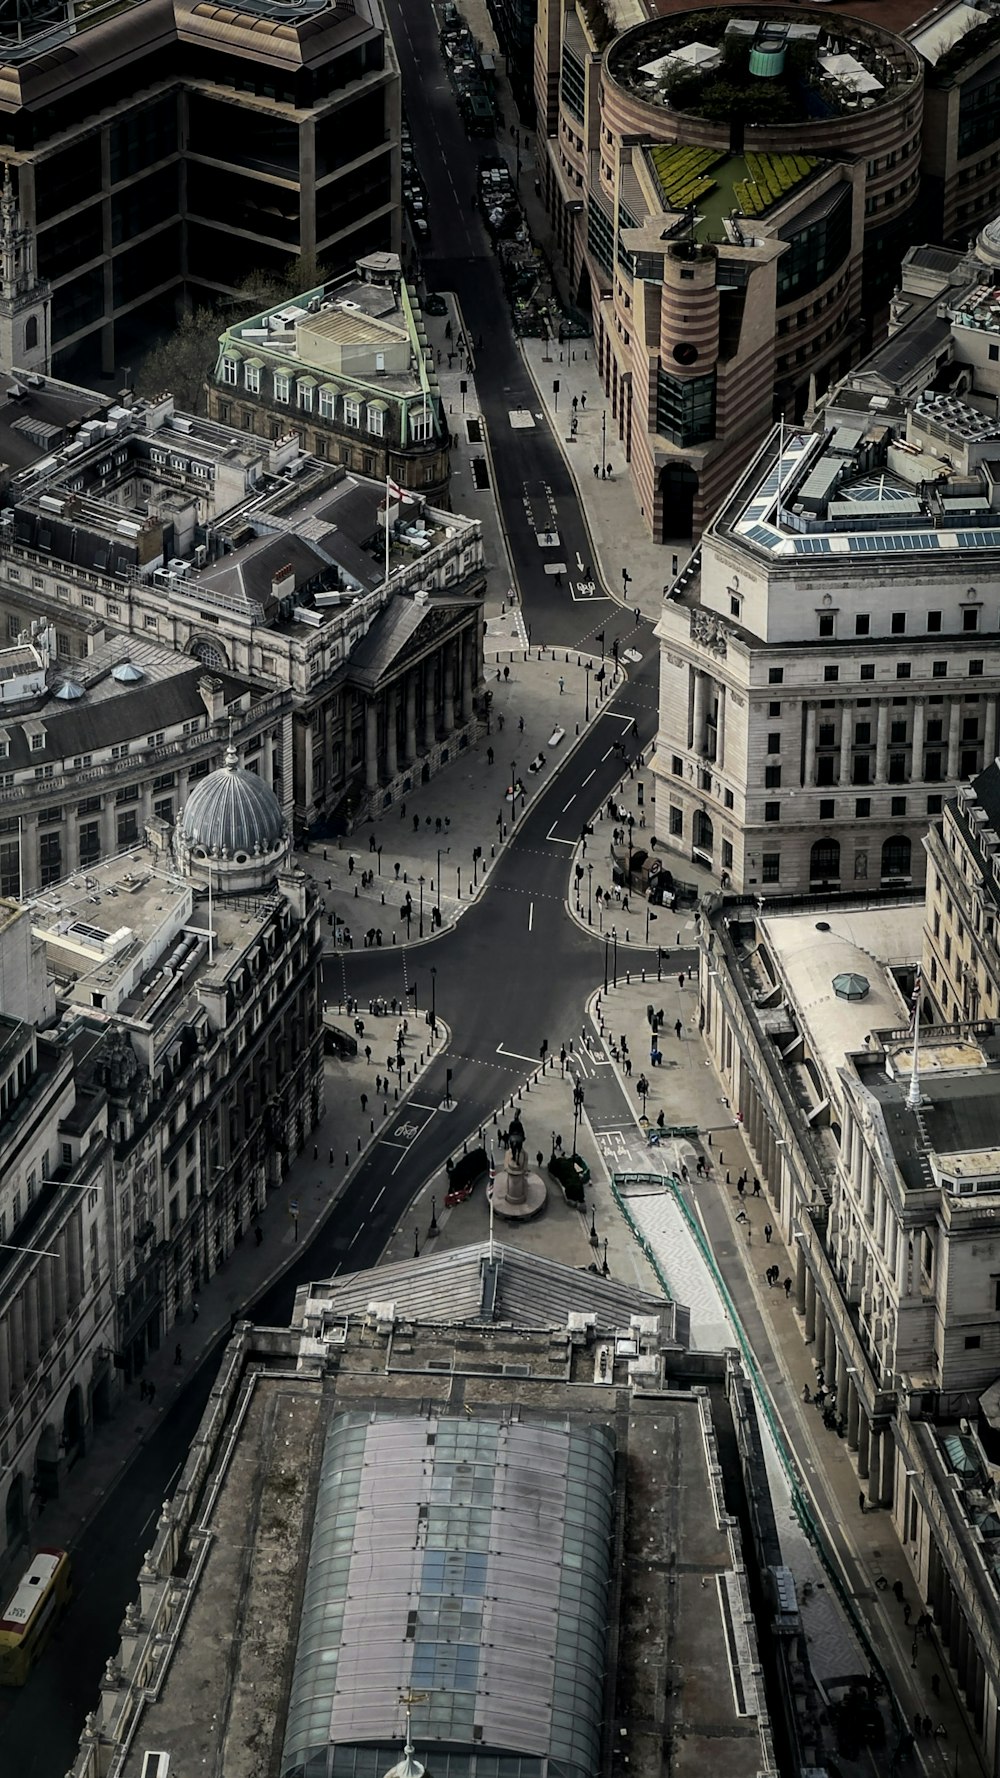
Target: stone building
x,y
961,957
188,983
265,563
94,747
828,654
164,154
58,1325
348,368
879,1155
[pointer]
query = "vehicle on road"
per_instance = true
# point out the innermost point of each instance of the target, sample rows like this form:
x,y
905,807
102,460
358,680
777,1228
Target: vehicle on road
x,y
41,1597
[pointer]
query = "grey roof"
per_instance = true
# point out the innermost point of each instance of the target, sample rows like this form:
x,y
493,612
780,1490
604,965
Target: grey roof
x,y
232,812
464,1561
961,1114
921,337
936,259
36,421
532,1292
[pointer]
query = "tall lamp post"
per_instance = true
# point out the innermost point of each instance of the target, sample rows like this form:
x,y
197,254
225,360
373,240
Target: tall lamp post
x,y
577,1108
513,791
586,709
607,941
420,923
590,895
604,439
649,917
433,996
614,943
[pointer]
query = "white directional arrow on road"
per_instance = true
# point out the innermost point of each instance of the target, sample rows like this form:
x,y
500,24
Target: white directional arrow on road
x,y
579,561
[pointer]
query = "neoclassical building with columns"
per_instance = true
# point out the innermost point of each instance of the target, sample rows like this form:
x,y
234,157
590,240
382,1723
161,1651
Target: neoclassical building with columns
x,y
261,561
880,1159
829,652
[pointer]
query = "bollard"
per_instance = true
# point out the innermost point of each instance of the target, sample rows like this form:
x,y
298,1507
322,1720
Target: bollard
x,y
644,975
409,1077
385,1108
347,1159
373,1127
359,1144
465,1147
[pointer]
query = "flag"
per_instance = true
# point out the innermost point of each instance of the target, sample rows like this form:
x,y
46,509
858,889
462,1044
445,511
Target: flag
x,y
394,490
493,1174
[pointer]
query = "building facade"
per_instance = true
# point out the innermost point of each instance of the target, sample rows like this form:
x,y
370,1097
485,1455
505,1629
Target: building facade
x,y
94,747
347,366
785,225
57,1288
163,155
961,955
260,561
880,1162
815,715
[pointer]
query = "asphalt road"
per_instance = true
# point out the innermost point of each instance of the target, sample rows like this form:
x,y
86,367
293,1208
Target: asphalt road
x,y
513,972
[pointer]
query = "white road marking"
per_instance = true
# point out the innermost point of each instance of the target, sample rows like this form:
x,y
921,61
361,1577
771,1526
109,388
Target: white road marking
x,y
380,1195
571,800
579,561
587,779
355,1235
516,1054
531,915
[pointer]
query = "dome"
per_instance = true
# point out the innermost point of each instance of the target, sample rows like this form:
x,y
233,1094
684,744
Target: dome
x,y
127,673
232,815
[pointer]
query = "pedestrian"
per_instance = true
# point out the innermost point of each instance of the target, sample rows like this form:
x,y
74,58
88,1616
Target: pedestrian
x,y
661,1121
195,1309
861,1502
897,1587
368,1057
364,1102
506,674
489,756
350,864
756,1186
743,1182
680,979
396,866
907,1612
699,1165
315,1151
806,1392
627,1065
788,1288
520,725
583,399
500,722
928,1725
678,1028
597,469
562,685
740,1188
768,1232
178,1355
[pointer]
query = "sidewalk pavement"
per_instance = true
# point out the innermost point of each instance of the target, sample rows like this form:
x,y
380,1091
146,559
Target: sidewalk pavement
x,y
434,832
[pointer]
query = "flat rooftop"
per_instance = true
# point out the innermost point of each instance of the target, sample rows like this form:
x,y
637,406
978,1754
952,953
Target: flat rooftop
x,y
543,1561
715,184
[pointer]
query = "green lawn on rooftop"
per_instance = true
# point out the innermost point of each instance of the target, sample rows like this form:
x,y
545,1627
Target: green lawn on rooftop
x,y
717,183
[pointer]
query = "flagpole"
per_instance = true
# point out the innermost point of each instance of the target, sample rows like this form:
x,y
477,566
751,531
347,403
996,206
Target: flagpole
x,y
492,1179
387,525
913,1096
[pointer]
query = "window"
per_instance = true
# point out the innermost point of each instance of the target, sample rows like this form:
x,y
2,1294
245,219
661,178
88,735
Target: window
x,y
932,768
735,605
774,742
251,377
831,675
685,408
896,856
772,811
155,740
897,768
328,405
868,670
902,669
120,750
305,395
973,1342
352,410
230,370
897,806
727,855
128,829
775,675
994,353
862,734
282,386
862,624
676,823
770,867
677,765
376,420
897,733
826,623
934,805
421,422
827,808
970,728
774,710
772,777
968,763
970,617
862,807
897,623
824,861
89,842
940,669
975,669
934,623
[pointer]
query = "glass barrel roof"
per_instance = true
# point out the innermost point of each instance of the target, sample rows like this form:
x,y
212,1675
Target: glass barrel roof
x,y
465,1562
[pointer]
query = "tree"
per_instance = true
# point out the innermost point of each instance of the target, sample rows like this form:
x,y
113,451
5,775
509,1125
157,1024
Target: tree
x,y
180,362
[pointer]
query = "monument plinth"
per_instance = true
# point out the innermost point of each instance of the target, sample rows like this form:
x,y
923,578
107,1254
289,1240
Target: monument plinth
x,y
518,1192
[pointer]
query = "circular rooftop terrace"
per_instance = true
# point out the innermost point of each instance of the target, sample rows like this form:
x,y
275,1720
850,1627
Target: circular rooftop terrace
x,y
760,67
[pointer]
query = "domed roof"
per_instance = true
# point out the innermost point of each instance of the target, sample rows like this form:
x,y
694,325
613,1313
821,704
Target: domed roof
x,y
232,814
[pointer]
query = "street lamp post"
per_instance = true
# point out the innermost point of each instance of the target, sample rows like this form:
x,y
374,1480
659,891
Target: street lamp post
x,y
590,895
604,439
649,917
420,923
614,941
513,791
433,996
586,711
577,1108
607,937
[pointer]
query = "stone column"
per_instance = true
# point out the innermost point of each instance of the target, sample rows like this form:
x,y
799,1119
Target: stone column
x,y
720,728
874,1464
810,1307
954,736
853,1416
411,718
989,731
468,650
820,1327
887,1479
428,723
830,1354
371,745
391,759
698,718
59,1282
800,1278
809,762
843,1388
448,661
6,1380
864,1434
846,741
882,743
917,748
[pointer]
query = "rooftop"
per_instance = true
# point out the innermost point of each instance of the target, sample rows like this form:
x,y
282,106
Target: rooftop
x,y
953,1139
891,15
770,68
541,1561
715,184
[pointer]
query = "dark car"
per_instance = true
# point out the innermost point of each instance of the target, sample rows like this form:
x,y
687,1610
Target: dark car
x,y
435,305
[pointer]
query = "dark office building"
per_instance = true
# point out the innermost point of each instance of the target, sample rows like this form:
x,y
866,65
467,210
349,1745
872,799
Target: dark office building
x,y
162,150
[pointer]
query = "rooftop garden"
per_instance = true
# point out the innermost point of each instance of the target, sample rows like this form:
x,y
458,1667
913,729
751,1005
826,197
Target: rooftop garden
x,y
719,183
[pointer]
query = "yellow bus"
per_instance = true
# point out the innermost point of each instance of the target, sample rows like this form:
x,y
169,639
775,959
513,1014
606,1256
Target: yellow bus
x,y
42,1595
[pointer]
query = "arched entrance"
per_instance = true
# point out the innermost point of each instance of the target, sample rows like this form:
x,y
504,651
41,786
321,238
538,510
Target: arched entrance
x,y
210,654
678,486
45,1482
703,837
824,862
14,1511
896,855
